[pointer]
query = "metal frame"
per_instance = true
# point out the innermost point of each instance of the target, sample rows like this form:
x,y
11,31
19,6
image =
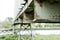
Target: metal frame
x,y
23,29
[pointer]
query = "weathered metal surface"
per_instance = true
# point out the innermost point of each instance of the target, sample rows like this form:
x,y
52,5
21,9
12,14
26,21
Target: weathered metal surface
x,y
48,12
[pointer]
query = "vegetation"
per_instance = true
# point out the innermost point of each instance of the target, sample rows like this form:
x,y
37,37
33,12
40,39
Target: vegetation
x,y
47,37
9,37
45,25
35,37
7,23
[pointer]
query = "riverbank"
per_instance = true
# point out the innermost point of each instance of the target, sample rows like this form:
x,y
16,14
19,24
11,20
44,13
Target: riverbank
x,y
35,37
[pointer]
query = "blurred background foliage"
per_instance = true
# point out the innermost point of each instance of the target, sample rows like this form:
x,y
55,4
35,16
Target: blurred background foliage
x,y
7,22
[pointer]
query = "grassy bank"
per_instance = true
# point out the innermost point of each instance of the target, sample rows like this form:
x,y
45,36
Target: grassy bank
x,y
9,37
36,37
46,37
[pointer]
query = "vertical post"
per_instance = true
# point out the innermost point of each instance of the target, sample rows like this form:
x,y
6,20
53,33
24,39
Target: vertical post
x,y
13,30
20,31
31,32
19,36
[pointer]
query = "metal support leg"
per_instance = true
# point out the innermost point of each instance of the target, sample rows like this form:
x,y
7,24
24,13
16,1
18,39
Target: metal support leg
x,y
13,30
19,38
31,32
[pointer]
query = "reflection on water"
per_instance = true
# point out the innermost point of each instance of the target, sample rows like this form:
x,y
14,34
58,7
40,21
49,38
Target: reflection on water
x,y
41,32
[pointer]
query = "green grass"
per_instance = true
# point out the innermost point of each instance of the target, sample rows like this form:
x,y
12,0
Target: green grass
x,y
35,37
9,37
47,37
25,37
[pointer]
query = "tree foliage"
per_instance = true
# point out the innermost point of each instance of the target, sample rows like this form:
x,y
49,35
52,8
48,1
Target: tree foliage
x,y
7,23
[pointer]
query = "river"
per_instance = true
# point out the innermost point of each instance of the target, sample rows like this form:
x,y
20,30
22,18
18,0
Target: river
x,y
41,32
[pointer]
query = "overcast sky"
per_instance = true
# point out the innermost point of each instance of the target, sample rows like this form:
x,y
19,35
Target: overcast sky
x,y
6,9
